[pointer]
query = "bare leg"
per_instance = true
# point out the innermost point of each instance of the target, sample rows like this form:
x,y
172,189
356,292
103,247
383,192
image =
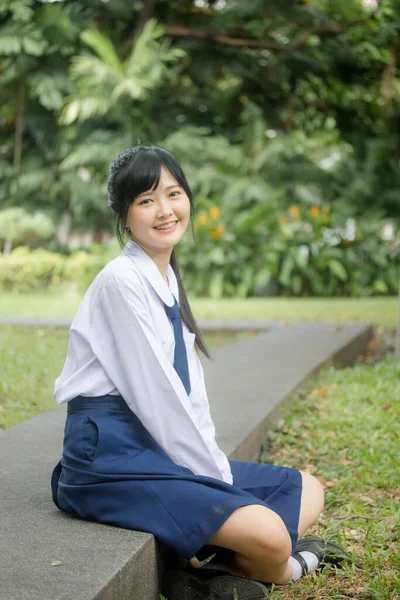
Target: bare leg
x,y
312,502
259,537
261,543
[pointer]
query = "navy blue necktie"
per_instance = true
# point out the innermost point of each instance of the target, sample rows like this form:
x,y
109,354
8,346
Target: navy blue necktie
x,y
180,355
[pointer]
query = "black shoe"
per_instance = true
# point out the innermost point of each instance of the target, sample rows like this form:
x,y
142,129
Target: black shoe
x,y
184,584
328,553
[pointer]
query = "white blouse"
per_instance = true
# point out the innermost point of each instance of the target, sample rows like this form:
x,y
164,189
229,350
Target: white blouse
x,y
121,342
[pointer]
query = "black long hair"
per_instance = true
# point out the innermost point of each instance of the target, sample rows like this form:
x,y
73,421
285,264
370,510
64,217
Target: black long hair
x,y
137,170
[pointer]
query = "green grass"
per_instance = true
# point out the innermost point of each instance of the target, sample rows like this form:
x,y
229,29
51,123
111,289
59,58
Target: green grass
x,y
381,311
31,358
345,431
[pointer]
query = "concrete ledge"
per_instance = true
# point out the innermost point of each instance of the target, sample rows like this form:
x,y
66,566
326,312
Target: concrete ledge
x,y
246,382
249,380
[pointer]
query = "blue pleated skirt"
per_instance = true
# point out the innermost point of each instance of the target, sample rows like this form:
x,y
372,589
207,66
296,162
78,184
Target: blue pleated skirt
x,y
112,471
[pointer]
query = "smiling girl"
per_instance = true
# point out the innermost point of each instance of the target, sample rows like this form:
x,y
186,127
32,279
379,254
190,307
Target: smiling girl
x,y
139,446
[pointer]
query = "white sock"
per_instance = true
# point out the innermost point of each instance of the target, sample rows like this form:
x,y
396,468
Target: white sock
x,y
311,561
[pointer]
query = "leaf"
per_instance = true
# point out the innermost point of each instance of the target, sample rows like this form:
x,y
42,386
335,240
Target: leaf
x,y
338,269
387,406
287,267
380,287
45,88
104,48
262,278
247,279
215,288
56,563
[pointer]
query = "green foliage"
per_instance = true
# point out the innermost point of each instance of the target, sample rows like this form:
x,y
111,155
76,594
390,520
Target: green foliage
x,y
82,267
306,252
107,85
24,271
296,103
16,225
281,229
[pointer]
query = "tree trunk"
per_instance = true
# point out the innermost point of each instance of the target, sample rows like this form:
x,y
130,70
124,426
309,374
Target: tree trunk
x,y
145,15
98,235
397,350
7,247
388,89
19,127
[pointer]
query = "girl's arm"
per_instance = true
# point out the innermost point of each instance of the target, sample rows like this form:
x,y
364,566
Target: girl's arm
x,y
126,344
199,401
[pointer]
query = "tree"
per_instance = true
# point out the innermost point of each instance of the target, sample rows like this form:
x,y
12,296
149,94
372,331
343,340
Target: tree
x,y
16,225
81,81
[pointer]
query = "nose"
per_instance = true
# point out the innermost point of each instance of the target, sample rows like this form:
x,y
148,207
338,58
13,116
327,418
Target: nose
x,y
164,207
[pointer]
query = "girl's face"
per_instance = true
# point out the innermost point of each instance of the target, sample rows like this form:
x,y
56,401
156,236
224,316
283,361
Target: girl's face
x,y
168,203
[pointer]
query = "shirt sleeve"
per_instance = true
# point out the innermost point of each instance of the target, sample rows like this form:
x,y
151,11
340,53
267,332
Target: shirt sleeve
x,y
126,344
201,407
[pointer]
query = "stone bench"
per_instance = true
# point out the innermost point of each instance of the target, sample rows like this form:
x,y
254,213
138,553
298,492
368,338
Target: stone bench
x,y
247,383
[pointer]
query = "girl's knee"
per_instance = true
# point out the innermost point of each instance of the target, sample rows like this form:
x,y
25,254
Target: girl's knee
x,y
255,532
313,490
272,539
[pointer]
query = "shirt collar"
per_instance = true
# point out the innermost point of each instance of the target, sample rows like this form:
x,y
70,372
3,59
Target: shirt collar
x,y
152,273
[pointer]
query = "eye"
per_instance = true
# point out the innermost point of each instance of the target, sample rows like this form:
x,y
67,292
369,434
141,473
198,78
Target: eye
x,y
145,200
176,192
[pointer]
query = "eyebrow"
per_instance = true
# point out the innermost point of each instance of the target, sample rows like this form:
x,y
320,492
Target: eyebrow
x,y
152,191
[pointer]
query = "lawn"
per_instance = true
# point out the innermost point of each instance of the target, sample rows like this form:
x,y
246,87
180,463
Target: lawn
x,y
380,311
31,358
345,431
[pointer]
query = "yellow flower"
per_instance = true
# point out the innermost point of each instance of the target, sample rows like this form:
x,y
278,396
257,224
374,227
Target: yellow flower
x,y
217,232
326,210
315,210
214,213
283,220
202,219
294,210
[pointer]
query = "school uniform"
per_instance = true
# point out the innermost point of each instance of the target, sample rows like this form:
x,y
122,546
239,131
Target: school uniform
x,y
139,450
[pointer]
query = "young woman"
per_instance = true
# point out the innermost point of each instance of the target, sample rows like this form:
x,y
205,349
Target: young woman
x,y
139,446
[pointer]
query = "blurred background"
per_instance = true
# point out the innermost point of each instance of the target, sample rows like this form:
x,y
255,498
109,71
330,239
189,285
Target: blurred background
x,y
284,115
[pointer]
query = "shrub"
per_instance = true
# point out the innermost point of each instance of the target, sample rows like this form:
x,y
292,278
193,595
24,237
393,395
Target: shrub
x,y
24,270
306,251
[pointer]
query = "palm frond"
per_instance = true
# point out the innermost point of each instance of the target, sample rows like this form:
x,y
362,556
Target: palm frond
x,y
96,153
16,39
89,71
82,109
104,48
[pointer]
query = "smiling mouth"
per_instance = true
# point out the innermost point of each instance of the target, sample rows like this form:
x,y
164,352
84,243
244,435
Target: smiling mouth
x,y
168,226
